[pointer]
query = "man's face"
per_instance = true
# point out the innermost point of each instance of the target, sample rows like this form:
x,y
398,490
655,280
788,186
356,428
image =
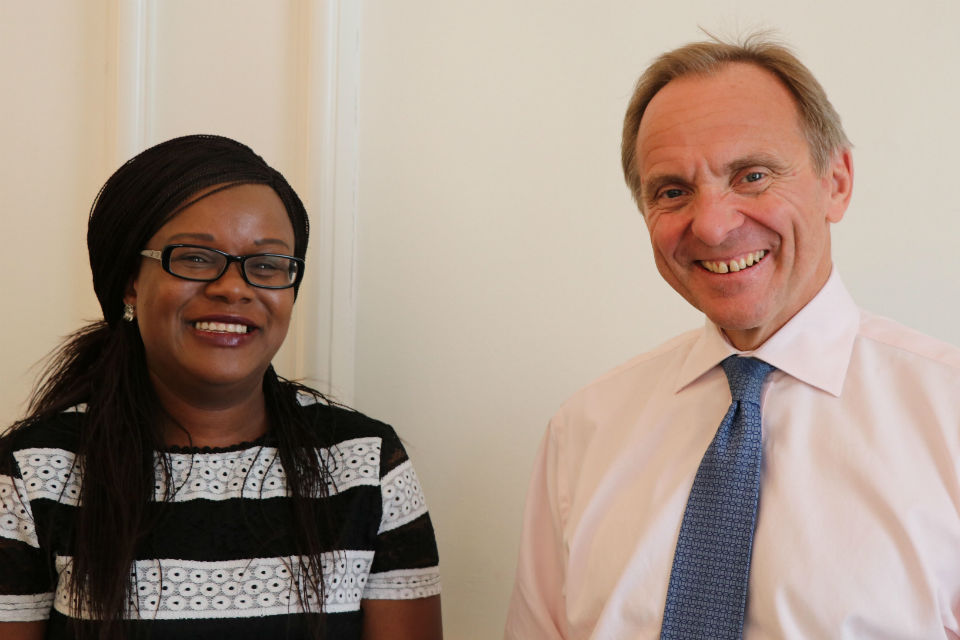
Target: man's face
x,y
738,217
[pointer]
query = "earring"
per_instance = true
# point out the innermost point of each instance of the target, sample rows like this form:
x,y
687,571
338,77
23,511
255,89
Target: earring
x,y
129,312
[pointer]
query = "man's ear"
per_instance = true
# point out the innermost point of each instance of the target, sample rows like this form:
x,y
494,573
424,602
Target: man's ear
x,y
840,176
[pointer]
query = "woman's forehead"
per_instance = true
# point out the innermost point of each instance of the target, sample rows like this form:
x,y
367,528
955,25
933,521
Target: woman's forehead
x,y
247,213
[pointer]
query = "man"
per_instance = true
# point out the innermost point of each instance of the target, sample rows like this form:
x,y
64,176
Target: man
x,y
739,166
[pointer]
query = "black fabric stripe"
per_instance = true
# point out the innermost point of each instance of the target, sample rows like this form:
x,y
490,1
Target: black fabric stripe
x,y
288,627
409,538
23,569
210,531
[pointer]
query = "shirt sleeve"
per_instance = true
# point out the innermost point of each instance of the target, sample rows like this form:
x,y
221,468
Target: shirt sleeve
x,y
537,605
405,562
26,593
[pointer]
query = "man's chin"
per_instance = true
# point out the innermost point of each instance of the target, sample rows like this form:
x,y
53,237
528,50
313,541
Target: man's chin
x,y
734,315
746,331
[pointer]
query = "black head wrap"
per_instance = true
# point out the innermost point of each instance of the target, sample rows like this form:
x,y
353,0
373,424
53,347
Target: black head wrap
x,y
144,193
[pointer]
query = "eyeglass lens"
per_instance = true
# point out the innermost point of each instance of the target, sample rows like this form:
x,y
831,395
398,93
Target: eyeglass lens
x,y
197,263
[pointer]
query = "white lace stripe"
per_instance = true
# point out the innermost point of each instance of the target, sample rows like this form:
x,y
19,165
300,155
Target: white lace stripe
x,y
251,473
403,499
171,589
28,608
50,474
352,463
306,399
258,473
403,584
16,518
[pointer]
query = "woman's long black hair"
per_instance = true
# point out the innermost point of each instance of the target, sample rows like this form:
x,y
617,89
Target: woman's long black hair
x,y
103,365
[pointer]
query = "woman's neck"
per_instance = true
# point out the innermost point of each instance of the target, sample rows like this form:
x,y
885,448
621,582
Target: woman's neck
x,y
212,421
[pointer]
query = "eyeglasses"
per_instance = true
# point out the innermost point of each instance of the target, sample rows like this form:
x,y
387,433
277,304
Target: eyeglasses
x,y
203,264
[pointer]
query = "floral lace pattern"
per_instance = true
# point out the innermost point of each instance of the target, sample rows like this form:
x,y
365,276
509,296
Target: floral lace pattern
x,y
250,473
16,521
170,589
403,498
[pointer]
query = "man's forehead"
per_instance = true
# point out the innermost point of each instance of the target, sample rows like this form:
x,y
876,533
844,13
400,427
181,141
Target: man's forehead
x,y
737,101
730,80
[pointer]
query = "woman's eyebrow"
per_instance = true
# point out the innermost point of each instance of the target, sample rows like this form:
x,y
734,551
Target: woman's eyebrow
x,y
206,237
271,241
191,236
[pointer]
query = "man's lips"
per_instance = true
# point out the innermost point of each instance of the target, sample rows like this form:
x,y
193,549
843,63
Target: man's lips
x,y
739,263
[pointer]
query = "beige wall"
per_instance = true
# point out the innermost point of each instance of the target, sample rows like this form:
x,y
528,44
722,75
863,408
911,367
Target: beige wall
x,y
499,262
502,264
51,165
90,84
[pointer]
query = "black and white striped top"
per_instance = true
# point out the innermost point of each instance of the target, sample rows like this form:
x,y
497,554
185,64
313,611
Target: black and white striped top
x,y
222,562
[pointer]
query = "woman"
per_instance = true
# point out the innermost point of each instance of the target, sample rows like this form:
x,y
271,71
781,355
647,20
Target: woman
x,y
167,483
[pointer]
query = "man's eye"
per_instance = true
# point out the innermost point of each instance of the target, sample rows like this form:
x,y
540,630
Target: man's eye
x,y
753,176
671,193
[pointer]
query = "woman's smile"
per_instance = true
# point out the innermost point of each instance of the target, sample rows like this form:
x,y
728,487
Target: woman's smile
x,y
225,331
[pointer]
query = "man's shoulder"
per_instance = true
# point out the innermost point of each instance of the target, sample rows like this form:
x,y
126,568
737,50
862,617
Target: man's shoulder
x,y
908,344
641,374
654,360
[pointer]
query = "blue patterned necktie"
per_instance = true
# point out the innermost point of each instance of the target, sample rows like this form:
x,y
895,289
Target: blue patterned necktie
x,y
711,566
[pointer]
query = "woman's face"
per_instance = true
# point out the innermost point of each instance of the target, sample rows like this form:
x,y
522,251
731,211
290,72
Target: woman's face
x,y
186,353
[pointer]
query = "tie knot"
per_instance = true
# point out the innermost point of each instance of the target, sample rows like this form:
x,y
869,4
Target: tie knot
x,y
746,376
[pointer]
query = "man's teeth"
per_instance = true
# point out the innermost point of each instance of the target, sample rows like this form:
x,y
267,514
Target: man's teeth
x,y
221,327
733,265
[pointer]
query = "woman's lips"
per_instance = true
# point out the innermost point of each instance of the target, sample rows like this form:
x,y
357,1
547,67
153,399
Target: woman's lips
x,y
224,330
221,327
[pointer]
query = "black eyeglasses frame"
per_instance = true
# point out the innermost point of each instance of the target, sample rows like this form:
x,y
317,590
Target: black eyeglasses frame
x,y
164,257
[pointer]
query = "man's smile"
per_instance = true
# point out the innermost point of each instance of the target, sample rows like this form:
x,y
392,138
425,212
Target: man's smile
x,y
737,264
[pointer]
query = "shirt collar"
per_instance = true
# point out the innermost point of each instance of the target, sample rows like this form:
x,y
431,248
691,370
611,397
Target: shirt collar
x,y
814,346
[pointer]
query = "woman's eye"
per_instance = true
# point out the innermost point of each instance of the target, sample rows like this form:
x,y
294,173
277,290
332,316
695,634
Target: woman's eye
x,y
266,263
194,258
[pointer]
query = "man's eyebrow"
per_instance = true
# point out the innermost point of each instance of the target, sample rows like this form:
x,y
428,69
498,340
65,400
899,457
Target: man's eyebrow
x,y
650,186
756,160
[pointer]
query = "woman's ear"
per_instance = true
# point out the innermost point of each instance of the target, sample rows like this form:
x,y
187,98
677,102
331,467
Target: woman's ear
x,y
130,293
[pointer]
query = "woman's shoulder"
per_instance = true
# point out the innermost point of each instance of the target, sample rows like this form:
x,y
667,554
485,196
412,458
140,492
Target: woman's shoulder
x,y
339,422
56,431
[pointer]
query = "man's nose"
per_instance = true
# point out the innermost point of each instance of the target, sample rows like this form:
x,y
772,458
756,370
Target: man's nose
x,y
715,216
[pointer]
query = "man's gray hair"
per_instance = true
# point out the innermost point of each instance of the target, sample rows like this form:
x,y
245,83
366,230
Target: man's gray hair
x,y
819,121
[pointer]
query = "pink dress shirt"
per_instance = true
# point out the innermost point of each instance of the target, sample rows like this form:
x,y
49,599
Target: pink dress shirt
x,y
858,533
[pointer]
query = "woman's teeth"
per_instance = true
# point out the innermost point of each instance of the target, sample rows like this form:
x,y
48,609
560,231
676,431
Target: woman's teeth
x,y
220,327
733,265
